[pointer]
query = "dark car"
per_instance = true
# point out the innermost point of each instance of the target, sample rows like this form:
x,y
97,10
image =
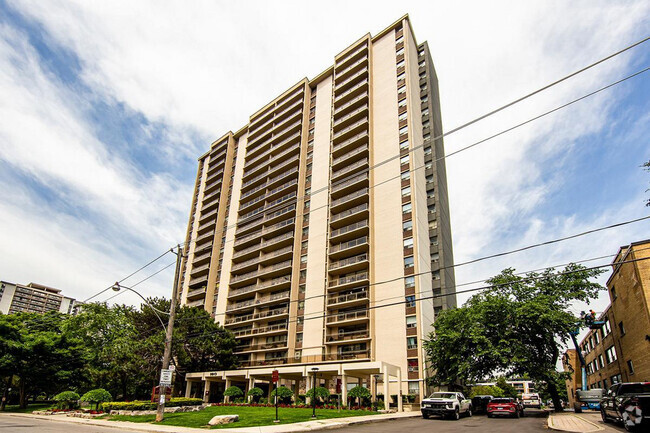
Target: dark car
x,y
628,403
480,402
505,406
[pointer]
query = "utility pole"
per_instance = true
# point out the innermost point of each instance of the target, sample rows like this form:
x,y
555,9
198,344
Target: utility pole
x,y
168,337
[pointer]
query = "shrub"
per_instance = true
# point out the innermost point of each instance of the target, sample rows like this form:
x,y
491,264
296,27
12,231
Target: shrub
x,y
255,393
263,401
321,393
97,396
360,393
284,394
233,391
67,400
147,405
183,401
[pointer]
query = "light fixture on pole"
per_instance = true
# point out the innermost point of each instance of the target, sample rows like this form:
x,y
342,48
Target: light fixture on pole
x,y
117,287
313,397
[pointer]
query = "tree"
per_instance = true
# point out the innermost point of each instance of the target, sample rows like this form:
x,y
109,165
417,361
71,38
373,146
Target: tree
x,y
233,391
516,326
255,393
507,390
284,394
359,392
494,391
97,396
321,393
66,400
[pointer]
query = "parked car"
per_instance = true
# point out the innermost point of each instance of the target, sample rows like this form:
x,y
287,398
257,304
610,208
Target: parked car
x,y
505,406
480,402
628,403
532,400
446,404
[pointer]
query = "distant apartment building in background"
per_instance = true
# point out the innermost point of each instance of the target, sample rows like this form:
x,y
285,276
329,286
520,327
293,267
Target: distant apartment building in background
x,y
319,233
33,298
620,350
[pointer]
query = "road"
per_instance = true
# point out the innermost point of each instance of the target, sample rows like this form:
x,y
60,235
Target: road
x,y
10,424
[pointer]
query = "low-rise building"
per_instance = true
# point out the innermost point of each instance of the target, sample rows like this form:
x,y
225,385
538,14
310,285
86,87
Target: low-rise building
x,y
620,350
33,298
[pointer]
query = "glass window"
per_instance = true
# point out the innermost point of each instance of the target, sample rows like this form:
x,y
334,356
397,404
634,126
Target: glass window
x,y
404,145
301,305
424,98
414,388
410,301
630,366
432,208
400,64
430,179
411,322
621,328
404,159
406,208
401,76
400,51
403,116
401,103
406,191
616,379
403,130
405,175
427,150
304,244
411,343
408,262
408,243
299,337
409,282
605,330
601,361
407,225
303,274
596,338
425,112
303,258
610,354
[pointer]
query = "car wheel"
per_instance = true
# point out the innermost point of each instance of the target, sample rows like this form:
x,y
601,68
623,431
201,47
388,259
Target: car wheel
x,y
425,415
522,413
469,411
456,415
489,415
516,414
603,415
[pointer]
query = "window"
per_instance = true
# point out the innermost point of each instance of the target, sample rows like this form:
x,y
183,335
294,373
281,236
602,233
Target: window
x,y
424,99
403,130
400,64
302,288
414,388
411,322
610,354
405,175
400,51
616,379
401,76
304,244
299,337
596,338
404,145
427,151
408,262
399,39
591,344
434,240
303,258
436,275
425,112
601,361
406,191
409,282
308,191
428,166
630,366
412,343
406,208
301,305
303,274
614,295
413,365
401,89
621,328
300,320
408,243
307,204
404,160
305,231
401,103
605,330
430,179
432,208
403,116
410,301
605,383
407,225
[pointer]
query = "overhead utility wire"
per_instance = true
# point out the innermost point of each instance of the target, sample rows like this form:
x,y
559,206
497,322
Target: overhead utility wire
x,y
141,281
324,189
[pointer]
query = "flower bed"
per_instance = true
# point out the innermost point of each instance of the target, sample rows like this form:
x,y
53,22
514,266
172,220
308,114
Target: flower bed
x,y
290,406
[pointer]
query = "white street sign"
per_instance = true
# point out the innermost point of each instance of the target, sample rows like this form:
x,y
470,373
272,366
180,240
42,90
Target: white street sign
x,y
166,377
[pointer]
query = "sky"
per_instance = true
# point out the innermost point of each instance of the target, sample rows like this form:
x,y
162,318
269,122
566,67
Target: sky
x,y
106,106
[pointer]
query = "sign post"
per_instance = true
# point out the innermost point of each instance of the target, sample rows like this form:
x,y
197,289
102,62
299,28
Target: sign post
x,y
165,381
275,377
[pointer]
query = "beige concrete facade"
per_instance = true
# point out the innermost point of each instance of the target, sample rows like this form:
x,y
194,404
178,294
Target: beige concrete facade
x,y
321,248
33,298
620,350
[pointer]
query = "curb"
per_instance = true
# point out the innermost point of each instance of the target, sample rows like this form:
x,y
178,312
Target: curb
x,y
305,426
551,425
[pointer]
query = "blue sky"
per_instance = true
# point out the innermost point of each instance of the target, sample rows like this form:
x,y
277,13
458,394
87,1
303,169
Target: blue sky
x,y
105,107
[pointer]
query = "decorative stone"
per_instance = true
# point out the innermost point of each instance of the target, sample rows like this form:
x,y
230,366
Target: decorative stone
x,y
223,419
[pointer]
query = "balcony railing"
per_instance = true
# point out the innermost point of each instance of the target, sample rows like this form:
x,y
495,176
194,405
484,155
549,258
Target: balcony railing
x,y
360,122
350,228
362,207
343,317
340,299
241,277
351,55
351,196
350,90
262,330
348,168
343,83
358,150
262,315
349,261
347,279
349,115
349,140
345,336
271,241
343,71
349,244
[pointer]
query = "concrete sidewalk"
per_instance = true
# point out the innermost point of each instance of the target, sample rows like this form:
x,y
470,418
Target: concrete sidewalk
x,y
325,424
571,422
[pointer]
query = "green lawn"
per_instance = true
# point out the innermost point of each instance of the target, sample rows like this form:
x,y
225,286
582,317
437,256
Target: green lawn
x,y
30,407
248,416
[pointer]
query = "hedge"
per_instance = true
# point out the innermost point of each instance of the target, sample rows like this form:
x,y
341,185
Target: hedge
x,y
147,405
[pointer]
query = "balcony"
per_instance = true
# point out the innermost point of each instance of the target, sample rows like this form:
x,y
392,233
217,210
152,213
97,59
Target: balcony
x,y
348,299
348,216
347,336
346,158
199,303
349,265
349,231
274,298
200,270
354,316
342,85
349,131
248,277
263,315
276,345
341,122
213,176
348,280
347,95
273,329
248,264
202,258
203,238
193,294
277,255
277,268
349,169
340,73
268,218
352,199
344,61
250,303
344,187
349,143
207,216
275,283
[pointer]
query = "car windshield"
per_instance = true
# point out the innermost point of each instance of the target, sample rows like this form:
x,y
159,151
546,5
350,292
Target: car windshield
x,y
635,388
442,395
501,400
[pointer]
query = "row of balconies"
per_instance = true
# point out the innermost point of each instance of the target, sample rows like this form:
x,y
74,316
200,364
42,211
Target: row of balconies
x,y
262,315
268,195
258,129
269,284
338,174
268,205
250,303
266,230
272,329
269,217
278,139
263,244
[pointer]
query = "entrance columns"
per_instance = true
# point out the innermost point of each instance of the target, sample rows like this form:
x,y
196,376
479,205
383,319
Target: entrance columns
x,y
188,389
399,390
226,399
344,390
206,393
251,385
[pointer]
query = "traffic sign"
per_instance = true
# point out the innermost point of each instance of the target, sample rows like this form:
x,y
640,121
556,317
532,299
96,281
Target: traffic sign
x,y
166,377
276,376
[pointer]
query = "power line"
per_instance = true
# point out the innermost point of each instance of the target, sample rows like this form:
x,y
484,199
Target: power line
x,y
300,199
141,281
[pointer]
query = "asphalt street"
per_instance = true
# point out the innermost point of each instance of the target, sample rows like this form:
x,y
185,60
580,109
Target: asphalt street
x,y
9,424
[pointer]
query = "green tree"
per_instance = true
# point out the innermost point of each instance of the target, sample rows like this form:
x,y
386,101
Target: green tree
x,y
506,389
321,393
255,393
494,391
284,394
233,391
67,400
517,326
358,393
96,396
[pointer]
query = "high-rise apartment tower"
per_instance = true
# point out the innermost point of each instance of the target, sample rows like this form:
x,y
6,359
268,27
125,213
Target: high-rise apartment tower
x,y
310,224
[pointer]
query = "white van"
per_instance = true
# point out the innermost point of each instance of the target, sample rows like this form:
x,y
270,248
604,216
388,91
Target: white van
x,y
532,400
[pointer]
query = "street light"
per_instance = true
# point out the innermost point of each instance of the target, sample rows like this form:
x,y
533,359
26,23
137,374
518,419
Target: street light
x,y
116,288
313,397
